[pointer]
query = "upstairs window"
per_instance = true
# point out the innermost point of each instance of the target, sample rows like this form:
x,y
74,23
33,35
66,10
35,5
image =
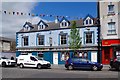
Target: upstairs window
x,y
41,40
111,9
89,38
63,39
111,28
40,27
26,28
64,24
88,22
25,41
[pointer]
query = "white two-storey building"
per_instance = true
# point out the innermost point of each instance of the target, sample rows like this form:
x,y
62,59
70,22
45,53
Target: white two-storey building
x,y
51,40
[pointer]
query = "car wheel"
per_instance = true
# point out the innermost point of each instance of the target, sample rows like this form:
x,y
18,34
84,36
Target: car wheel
x,y
70,67
3,64
94,68
21,66
39,66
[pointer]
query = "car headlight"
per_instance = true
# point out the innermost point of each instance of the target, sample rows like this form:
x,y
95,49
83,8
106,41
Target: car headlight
x,y
101,64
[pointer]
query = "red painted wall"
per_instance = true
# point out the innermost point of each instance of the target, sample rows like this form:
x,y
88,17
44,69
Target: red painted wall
x,y
110,42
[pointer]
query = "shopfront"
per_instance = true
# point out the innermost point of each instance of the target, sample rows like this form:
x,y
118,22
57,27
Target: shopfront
x,y
110,49
60,56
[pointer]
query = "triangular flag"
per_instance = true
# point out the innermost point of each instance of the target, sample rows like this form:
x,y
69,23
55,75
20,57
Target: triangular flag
x,y
43,15
17,13
36,14
13,13
29,14
9,13
33,15
50,15
5,12
40,14
21,13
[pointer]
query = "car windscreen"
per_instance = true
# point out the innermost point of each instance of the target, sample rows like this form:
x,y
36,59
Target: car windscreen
x,y
75,59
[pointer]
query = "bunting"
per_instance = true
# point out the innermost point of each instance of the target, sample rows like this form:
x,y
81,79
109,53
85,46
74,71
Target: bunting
x,y
44,15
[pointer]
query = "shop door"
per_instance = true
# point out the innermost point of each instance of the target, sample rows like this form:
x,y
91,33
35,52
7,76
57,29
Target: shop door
x,y
107,55
55,58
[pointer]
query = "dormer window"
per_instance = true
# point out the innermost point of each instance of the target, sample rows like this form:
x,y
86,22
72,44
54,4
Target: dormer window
x,y
27,26
42,25
64,23
88,20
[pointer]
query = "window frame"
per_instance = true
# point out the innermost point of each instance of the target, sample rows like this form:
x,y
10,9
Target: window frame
x,y
109,8
64,24
111,28
92,37
65,40
39,40
24,41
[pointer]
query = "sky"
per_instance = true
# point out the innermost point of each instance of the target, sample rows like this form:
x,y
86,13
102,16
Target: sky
x,y
13,23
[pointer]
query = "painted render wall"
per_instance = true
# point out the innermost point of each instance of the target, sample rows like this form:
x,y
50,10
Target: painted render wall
x,y
55,36
105,19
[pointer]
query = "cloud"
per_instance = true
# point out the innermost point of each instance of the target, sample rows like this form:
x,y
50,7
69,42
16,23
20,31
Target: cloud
x,y
13,23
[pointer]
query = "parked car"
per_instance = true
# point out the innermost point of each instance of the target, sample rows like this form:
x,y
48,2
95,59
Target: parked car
x,y
31,61
115,63
80,63
7,62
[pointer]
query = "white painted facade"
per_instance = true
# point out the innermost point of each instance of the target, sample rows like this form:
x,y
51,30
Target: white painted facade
x,y
55,37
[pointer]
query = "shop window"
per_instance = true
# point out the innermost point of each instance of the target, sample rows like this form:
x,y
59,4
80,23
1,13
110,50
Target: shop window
x,y
65,56
40,55
81,55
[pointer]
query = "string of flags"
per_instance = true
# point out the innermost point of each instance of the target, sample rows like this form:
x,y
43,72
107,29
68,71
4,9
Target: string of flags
x,y
31,14
44,15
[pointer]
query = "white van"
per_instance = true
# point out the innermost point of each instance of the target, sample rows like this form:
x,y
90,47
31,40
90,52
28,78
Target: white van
x,y
31,61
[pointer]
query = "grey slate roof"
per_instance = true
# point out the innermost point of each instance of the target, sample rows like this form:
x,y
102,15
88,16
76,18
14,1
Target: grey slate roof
x,y
54,26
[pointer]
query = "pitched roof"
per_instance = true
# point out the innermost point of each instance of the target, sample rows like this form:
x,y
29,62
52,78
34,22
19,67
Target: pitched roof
x,y
54,26
88,16
28,23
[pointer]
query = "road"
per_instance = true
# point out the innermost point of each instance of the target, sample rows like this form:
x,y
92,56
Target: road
x,y
56,72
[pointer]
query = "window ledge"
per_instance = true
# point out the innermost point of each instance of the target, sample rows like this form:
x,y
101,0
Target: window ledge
x,y
111,13
111,34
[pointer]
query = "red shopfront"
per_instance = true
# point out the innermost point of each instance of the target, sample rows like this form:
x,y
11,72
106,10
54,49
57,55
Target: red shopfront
x,y
109,50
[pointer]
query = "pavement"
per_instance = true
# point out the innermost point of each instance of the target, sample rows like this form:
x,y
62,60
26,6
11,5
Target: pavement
x,y
62,66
